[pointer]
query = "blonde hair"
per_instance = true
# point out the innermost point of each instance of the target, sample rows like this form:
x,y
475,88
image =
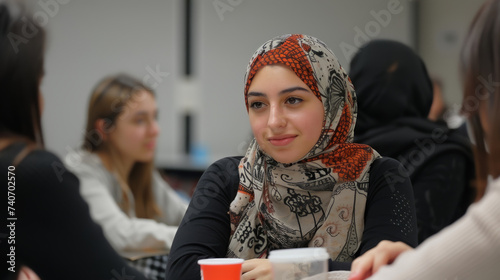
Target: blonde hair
x,y
107,102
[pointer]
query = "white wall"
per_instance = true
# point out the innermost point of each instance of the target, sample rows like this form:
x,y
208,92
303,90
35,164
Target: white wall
x,y
443,27
89,39
228,37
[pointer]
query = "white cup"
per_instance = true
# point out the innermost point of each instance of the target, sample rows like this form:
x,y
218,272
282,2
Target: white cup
x,y
295,264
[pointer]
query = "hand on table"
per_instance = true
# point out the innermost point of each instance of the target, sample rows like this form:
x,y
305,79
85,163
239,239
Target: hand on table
x,y
256,269
370,262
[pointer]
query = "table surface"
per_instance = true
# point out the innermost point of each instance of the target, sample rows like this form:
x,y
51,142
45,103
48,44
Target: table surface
x,y
332,275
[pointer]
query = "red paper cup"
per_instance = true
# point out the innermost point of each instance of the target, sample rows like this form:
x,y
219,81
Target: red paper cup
x,y
220,268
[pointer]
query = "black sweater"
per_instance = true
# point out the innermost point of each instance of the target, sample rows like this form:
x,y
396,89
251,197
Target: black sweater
x,y
205,229
48,225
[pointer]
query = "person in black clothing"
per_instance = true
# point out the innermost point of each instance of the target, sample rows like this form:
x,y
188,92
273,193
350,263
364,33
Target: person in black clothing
x,y
395,95
302,182
47,231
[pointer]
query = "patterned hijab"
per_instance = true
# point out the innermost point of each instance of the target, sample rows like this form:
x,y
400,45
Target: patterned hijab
x,y
320,200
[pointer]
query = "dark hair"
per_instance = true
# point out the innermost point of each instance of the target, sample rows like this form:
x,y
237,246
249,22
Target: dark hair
x,y
22,44
480,63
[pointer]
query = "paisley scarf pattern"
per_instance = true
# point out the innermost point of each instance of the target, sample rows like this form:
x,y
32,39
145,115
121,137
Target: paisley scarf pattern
x,y
320,200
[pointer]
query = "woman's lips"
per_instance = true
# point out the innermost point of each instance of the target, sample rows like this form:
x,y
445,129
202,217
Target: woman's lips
x,y
151,145
281,140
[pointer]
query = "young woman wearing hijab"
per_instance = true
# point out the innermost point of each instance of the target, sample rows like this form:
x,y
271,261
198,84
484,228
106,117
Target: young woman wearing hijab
x,y
138,211
51,234
302,182
394,98
470,248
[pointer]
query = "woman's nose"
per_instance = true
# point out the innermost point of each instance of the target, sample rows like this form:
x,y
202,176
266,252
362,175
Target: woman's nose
x,y
277,118
154,128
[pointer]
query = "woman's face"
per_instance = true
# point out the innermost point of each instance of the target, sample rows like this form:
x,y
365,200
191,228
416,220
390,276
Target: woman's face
x,y
285,116
136,129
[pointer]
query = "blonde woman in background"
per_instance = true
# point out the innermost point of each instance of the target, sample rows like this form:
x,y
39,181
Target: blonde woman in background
x,y
127,196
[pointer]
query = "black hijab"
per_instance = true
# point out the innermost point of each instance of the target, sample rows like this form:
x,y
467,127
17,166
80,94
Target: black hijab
x,y
391,82
394,98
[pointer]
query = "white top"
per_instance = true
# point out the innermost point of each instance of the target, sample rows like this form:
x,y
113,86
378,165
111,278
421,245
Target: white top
x,y
103,193
468,249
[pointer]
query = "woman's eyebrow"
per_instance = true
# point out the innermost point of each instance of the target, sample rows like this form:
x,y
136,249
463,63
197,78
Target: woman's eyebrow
x,y
140,113
292,89
255,93
288,90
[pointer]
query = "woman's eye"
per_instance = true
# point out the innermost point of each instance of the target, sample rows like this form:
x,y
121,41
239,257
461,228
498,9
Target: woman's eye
x,y
293,100
140,121
256,105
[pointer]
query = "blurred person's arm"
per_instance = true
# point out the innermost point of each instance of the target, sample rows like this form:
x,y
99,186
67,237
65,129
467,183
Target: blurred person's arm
x,y
467,249
390,210
55,235
439,190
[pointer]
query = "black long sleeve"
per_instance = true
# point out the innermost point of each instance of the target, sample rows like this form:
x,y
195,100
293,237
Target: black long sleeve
x,y
390,212
205,229
54,234
439,189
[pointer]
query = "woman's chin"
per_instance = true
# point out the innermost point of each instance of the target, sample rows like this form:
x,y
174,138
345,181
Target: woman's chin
x,y
146,157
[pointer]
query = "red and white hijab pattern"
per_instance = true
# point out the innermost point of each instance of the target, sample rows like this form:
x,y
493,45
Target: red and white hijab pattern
x,y
320,200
